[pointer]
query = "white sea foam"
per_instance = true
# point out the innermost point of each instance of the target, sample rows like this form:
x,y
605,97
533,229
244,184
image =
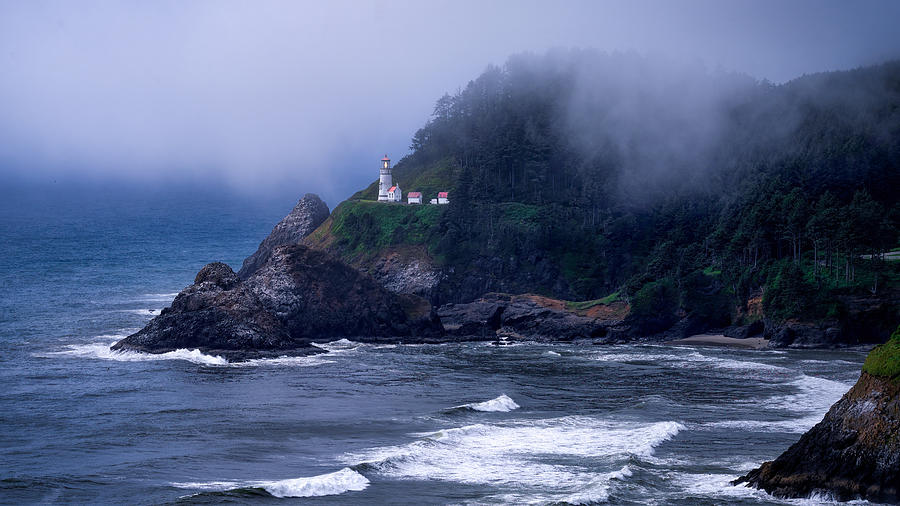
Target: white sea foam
x,y
102,351
341,345
692,360
809,404
335,483
501,404
815,395
526,455
719,488
160,297
307,361
552,353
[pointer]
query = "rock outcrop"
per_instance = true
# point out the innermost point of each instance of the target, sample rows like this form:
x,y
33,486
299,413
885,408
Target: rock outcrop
x,y
526,317
854,452
306,216
405,270
296,297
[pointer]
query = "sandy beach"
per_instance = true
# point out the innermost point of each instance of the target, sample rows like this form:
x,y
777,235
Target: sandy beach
x,y
720,340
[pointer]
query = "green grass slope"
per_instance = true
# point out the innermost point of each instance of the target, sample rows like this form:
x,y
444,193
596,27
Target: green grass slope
x,y
884,360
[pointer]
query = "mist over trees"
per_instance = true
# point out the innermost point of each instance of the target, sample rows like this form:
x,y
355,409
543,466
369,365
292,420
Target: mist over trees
x,y
585,173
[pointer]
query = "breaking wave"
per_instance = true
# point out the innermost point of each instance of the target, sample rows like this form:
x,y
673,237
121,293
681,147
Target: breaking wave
x,y
693,359
338,482
102,351
537,457
498,404
341,345
813,398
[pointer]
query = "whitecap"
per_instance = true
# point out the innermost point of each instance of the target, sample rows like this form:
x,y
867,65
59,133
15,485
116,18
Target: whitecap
x,y
719,487
813,398
539,457
341,345
338,482
691,360
552,353
285,360
160,297
497,404
815,395
102,351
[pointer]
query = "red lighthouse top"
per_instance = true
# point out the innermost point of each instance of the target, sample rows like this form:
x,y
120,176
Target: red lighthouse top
x,y
385,159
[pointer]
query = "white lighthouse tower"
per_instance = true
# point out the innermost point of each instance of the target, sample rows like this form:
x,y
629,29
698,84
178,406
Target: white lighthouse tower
x,y
385,181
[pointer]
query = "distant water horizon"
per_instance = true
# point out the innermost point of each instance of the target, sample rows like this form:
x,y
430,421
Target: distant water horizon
x,y
356,424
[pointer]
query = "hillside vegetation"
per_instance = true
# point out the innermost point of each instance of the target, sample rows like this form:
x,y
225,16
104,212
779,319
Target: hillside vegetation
x,y
577,174
884,360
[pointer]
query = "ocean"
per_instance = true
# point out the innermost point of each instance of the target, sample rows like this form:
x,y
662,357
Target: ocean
x,y
358,424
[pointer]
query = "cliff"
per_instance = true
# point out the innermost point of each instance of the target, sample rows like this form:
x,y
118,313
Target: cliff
x,y
854,452
306,216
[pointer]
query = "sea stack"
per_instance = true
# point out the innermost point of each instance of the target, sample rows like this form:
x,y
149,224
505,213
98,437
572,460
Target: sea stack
x,y
854,452
297,296
306,216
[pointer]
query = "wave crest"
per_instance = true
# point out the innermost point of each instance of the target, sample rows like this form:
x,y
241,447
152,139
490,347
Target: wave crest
x,y
103,351
501,404
338,482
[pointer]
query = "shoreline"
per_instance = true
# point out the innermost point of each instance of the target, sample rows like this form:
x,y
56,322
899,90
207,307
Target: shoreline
x,y
755,343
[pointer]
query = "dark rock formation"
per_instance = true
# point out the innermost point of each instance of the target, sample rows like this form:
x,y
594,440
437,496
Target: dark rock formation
x,y
405,269
296,297
854,452
528,317
306,216
745,331
861,319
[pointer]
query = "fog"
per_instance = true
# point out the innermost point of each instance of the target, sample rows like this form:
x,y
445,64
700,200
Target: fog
x,y
269,97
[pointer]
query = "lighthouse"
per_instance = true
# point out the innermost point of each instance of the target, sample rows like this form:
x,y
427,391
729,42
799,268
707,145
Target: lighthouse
x,y
385,181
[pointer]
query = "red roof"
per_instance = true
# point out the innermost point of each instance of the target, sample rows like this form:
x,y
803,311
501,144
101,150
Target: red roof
x,y
414,194
393,188
385,159
442,195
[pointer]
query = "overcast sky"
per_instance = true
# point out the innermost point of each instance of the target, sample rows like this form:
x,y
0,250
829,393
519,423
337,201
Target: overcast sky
x,y
276,96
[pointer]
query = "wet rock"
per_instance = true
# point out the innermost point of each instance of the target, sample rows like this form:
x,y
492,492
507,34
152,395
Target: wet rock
x,y
306,216
297,296
521,317
854,452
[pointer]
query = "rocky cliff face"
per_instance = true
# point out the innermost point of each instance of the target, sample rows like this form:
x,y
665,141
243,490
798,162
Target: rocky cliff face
x,y
306,216
405,270
854,452
529,317
296,297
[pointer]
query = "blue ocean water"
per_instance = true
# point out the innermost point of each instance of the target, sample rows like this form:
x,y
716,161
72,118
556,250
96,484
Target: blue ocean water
x,y
358,424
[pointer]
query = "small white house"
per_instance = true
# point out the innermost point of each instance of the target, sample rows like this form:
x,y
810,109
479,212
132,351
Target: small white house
x,y
432,201
443,198
394,194
414,198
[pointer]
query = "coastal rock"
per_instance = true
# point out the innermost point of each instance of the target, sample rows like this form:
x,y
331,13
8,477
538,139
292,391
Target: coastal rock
x,y
306,216
406,270
530,317
297,296
745,331
854,452
806,335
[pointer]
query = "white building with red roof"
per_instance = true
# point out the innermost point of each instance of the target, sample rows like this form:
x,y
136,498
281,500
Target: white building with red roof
x,y
394,194
414,198
443,198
